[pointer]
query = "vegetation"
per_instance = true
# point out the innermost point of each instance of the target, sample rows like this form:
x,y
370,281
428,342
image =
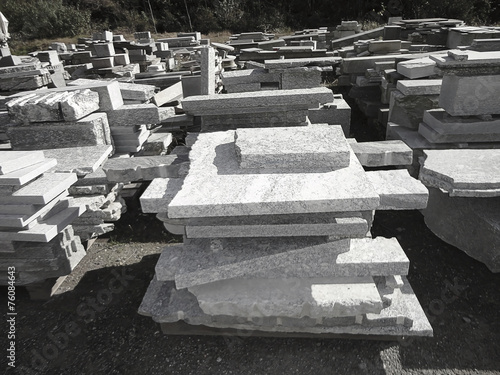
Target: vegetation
x,y
30,19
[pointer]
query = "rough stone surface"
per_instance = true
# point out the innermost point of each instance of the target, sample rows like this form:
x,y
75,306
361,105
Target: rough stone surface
x,y
472,173
214,168
470,224
408,111
285,149
398,190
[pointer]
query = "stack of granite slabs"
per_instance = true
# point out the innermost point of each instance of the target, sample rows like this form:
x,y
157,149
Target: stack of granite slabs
x,y
274,108
464,200
277,239
56,120
36,217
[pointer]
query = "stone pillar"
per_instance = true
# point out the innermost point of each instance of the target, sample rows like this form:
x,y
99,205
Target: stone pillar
x,y
207,71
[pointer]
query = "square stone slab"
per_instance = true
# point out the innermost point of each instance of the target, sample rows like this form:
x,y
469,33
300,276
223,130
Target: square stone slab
x,y
216,186
312,148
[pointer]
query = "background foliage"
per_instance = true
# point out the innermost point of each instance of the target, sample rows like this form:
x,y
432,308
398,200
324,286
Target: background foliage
x,y
31,19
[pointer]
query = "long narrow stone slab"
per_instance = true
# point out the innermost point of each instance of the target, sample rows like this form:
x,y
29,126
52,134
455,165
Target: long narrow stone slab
x,y
382,153
41,190
214,168
79,160
284,148
439,136
462,172
203,261
291,298
11,161
398,190
297,63
138,114
24,175
169,95
145,168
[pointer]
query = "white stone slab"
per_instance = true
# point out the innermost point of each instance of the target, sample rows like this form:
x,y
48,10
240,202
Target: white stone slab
x,y
24,175
284,148
398,190
216,186
11,161
471,170
41,190
291,298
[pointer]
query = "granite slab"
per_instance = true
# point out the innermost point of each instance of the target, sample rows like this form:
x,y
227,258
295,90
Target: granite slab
x,y
158,195
79,160
11,161
419,87
24,175
382,153
214,168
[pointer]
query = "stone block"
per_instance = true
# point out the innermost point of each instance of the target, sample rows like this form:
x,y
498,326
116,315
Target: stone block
x,y
284,149
300,78
158,195
157,143
104,49
103,62
336,113
382,153
121,59
398,190
417,68
420,87
11,161
468,173
207,70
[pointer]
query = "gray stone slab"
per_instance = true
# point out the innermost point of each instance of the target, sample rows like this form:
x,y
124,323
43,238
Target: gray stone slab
x,y
90,131
214,168
291,298
442,137
199,262
477,172
343,227
440,121
159,194
417,68
134,91
169,94
79,160
420,86
197,105
470,224
382,153
139,114
294,63
41,190
285,149
11,161
145,168
398,190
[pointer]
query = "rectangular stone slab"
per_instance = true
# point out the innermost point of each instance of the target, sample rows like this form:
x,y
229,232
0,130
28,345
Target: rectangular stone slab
x,y
138,114
11,161
441,122
347,227
291,298
452,170
41,190
382,153
168,95
214,169
79,160
196,105
203,261
284,148
398,190
439,136
420,86
24,175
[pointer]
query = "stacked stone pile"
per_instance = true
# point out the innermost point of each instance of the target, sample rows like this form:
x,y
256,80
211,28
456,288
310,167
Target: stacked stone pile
x,y
276,237
35,218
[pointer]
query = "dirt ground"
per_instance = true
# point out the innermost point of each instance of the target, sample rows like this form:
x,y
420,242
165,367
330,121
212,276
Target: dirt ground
x,y
86,329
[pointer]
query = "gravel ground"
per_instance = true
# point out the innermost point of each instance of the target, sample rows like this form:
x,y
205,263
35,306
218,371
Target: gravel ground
x,y
86,329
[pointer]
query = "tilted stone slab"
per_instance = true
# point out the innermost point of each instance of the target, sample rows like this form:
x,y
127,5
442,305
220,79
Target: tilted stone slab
x,y
134,91
169,94
291,298
214,168
79,160
199,262
41,190
382,153
145,168
197,105
24,175
11,161
284,148
462,172
398,190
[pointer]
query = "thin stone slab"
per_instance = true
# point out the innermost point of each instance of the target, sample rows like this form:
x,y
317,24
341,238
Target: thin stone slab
x,y
382,153
343,227
197,105
442,137
284,148
198,262
214,168
462,172
420,87
41,190
398,190
169,94
145,168
291,298
11,161
24,175
79,160
183,305
45,230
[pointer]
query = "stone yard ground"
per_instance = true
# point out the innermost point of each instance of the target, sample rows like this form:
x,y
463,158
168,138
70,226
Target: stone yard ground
x,y
459,294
